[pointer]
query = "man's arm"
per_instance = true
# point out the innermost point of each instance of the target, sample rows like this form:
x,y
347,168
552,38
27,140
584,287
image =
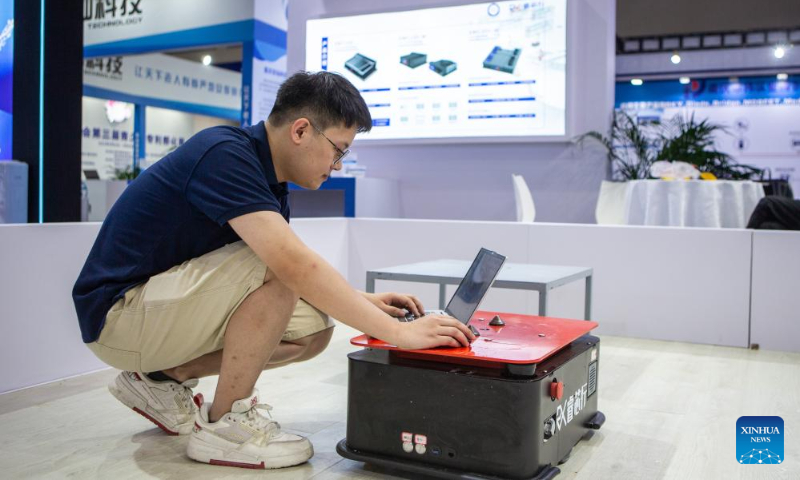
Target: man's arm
x,y
312,278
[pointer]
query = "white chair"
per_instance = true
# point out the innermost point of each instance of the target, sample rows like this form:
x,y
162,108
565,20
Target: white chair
x,y
610,208
526,211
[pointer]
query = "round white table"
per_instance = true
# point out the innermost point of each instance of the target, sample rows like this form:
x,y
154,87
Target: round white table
x,y
691,203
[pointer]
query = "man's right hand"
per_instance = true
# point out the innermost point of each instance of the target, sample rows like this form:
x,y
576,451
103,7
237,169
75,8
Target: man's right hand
x,y
433,331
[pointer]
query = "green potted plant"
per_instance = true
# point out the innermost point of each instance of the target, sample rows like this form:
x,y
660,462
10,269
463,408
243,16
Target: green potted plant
x,y
628,146
633,148
691,141
128,173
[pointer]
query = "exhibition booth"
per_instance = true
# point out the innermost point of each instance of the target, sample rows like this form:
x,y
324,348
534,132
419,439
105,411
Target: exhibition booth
x,y
623,173
142,96
456,110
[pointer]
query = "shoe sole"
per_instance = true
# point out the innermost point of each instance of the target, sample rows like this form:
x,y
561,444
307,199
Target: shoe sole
x,y
136,403
204,452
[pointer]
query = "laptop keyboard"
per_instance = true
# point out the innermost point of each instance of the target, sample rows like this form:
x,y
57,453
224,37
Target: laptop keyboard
x,y
410,317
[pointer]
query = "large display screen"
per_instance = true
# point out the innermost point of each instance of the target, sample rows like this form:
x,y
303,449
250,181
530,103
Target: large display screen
x,y
6,76
488,70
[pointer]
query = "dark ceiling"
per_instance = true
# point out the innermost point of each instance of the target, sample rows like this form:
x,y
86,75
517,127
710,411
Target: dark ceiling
x,y
638,18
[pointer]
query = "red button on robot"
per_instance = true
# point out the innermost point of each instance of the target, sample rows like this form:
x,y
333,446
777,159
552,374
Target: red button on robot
x,y
556,390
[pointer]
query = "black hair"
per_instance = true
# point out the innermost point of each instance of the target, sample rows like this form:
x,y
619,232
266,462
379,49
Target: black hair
x,y
325,98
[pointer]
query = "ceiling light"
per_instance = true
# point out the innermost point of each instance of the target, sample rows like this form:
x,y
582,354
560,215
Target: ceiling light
x,y
779,52
636,81
207,60
684,80
675,58
783,76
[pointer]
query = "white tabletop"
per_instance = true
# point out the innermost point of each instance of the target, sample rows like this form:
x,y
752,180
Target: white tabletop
x,y
691,203
512,275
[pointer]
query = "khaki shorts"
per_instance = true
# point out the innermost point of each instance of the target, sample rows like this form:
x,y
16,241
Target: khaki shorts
x,y
182,314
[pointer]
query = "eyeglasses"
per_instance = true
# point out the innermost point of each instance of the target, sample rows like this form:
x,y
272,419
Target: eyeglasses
x,y
339,153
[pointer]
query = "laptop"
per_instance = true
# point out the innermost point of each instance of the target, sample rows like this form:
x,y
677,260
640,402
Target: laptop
x,y
472,289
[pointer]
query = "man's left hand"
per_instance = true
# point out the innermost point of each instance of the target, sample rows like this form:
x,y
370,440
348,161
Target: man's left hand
x,y
395,303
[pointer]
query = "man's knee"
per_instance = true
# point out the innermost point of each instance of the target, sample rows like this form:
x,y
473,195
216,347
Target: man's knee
x,y
313,344
287,297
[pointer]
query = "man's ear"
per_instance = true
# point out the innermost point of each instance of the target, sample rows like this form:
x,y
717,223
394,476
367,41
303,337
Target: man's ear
x,y
300,129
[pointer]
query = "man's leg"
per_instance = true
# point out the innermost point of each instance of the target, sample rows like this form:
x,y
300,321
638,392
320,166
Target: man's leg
x,y
301,349
232,431
287,352
253,333
184,313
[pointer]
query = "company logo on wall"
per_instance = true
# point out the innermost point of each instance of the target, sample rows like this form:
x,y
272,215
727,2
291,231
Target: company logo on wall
x,y
524,6
118,112
111,13
759,440
110,68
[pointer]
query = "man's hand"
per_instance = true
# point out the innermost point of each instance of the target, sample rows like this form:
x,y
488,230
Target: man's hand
x,y
394,303
434,331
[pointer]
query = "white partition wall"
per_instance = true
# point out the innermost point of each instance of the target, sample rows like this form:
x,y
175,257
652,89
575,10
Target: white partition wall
x,y
775,313
39,332
326,236
682,284
40,340
685,284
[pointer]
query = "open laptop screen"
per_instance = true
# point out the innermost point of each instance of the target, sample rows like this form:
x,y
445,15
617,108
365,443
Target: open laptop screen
x,y
475,284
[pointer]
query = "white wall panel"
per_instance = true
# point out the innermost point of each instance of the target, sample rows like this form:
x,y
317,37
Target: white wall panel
x,y
679,284
39,332
775,314
685,284
672,284
327,237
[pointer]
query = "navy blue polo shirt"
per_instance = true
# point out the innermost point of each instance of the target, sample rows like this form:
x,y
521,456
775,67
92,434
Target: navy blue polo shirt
x,y
176,210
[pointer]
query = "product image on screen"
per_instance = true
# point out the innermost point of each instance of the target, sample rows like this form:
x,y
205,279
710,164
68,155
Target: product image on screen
x,y
502,60
414,59
443,67
361,66
482,71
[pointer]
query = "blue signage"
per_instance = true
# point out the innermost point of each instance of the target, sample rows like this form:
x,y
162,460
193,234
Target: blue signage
x,y
6,76
185,81
709,92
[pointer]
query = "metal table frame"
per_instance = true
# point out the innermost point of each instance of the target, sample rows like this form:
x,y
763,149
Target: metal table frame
x,y
520,276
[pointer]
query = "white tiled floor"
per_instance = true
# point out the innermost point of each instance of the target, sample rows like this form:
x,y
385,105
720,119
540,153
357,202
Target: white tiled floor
x,y
671,410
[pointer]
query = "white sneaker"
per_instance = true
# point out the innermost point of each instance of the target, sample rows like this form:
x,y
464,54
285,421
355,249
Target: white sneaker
x,y
167,404
244,438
